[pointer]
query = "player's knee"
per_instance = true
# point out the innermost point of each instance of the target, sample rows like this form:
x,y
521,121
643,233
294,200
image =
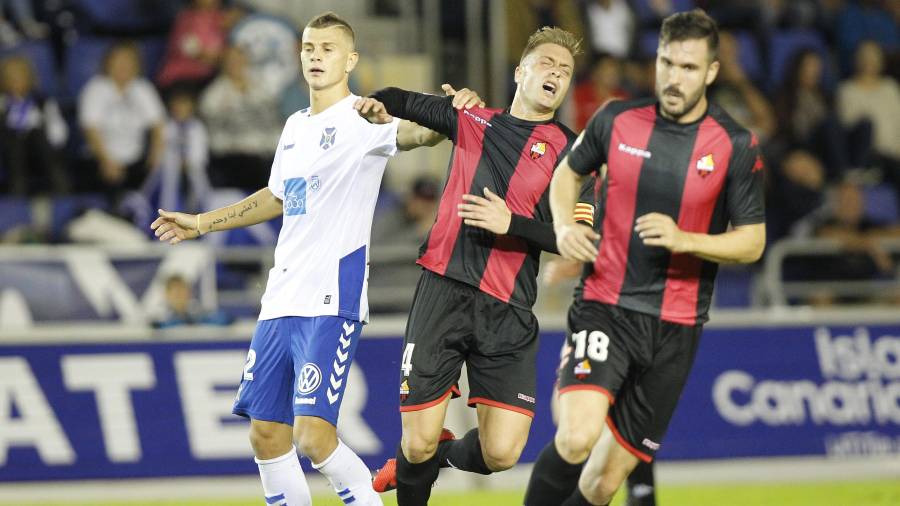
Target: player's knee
x,y
501,454
603,487
574,446
418,449
315,440
269,440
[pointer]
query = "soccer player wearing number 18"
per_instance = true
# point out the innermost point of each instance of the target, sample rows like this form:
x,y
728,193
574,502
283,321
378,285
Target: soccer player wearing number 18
x,y
678,171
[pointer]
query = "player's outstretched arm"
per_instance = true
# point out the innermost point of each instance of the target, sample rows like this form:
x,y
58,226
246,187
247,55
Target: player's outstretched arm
x,y
176,227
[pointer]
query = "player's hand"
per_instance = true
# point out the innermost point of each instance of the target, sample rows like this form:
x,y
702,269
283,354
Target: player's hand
x,y
372,111
576,241
489,212
657,229
559,269
464,98
175,227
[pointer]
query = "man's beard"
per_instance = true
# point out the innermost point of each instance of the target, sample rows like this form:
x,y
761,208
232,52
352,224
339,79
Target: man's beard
x,y
688,105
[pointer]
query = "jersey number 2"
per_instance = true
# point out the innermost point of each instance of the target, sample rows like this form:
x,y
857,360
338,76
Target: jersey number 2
x,y
251,360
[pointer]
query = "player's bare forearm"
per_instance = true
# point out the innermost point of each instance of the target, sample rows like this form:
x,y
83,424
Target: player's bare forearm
x,y
257,208
411,135
564,188
573,240
742,245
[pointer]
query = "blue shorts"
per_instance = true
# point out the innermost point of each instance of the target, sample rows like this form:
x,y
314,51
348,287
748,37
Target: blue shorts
x,y
297,366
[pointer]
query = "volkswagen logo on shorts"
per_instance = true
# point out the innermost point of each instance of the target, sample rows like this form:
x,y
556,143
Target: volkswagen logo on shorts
x,y
310,378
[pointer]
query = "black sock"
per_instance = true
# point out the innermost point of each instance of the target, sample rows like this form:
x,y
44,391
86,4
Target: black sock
x,y
414,481
463,454
577,499
641,490
552,478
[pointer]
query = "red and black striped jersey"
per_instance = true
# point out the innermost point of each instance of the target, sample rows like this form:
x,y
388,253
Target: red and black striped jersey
x,y
704,174
513,158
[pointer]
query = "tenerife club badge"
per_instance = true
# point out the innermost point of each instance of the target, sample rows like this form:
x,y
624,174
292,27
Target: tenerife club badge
x,y
328,137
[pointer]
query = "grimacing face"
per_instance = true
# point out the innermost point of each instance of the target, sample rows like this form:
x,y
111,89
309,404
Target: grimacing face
x,y
544,76
327,56
683,71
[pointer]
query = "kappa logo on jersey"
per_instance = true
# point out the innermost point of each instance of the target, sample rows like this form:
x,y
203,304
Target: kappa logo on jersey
x,y
706,165
633,151
582,369
538,149
650,444
478,119
295,196
328,137
315,183
309,379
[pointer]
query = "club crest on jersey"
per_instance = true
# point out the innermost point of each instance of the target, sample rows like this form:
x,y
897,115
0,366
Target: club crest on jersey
x,y
538,149
582,369
328,137
314,183
705,165
404,390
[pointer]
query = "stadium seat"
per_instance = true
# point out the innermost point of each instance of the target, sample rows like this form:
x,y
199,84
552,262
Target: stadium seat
x,y
645,14
153,50
83,60
783,45
122,15
648,40
67,207
14,211
881,204
749,57
41,55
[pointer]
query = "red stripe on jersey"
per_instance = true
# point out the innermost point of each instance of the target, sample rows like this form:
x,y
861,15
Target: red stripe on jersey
x,y
466,155
630,129
707,170
526,186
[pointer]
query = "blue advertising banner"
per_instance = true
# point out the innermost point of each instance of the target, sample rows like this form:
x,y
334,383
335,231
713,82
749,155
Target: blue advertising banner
x,y
164,409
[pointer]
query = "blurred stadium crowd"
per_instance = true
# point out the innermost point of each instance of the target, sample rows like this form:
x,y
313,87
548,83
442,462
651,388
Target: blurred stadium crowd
x,y
112,108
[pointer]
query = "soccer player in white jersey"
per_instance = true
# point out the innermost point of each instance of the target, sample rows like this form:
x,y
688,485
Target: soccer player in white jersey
x,y
325,179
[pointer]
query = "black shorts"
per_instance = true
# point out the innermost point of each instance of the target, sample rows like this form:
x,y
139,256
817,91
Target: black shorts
x,y
638,361
452,323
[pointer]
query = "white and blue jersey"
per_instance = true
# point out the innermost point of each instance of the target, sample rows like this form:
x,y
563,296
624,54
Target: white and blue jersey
x,y
327,172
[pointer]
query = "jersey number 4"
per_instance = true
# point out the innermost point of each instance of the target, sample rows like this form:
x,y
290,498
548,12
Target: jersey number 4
x,y
406,362
595,345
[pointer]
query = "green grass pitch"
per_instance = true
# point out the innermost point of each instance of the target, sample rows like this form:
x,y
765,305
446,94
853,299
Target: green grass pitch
x,y
874,493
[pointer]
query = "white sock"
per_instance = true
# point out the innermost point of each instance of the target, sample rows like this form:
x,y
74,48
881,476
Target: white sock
x,y
350,478
283,481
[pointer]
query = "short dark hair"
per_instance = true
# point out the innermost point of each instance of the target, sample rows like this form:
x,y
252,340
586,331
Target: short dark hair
x,y
329,19
693,24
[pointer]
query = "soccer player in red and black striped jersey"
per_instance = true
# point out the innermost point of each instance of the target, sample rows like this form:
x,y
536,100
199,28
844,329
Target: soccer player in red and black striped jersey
x,y
679,170
473,301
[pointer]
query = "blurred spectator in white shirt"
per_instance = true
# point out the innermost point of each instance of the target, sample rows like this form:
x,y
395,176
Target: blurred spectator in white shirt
x,y
122,117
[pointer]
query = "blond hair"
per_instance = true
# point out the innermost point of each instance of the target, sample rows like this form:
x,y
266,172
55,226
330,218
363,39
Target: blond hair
x,y
552,35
